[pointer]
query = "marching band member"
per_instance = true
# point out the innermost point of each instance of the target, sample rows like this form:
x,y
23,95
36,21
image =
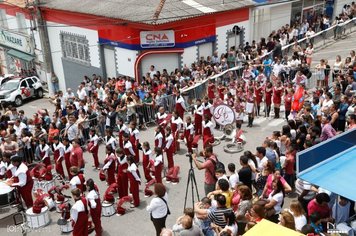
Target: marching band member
x,y
78,179
67,151
135,181
44,152
146,157
134,139
180,105
250,105
79,213
159,137
198,117
94,204
277,98
208,136
110,165
109,139
169,147
6,166
211,90
122,180
259,95
268,98
176,126
122,129
76,156
221,91
128,149
161,116
207,107
93,147
189,133
21,179
58,155
158,164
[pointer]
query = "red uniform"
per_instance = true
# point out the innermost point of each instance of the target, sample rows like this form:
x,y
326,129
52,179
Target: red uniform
x,y
198,119
221,91
169,149
145,163
24,183
122,130
134,141
93,147
67,151
78,181
79,213
180,106
277,95
94,204
44,154
135,181
211,89
269,97
158,168
258,94
122,180
188,135
206,109
58,155
76,157
110,167
207,133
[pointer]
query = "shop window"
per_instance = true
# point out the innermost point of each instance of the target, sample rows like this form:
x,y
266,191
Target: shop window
x,y
75,47
21,23
3,19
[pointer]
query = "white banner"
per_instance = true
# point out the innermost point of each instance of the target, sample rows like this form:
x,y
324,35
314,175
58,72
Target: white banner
x,y
157,39
16,41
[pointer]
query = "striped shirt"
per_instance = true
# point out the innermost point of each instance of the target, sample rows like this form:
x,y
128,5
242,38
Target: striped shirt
x,y
217,216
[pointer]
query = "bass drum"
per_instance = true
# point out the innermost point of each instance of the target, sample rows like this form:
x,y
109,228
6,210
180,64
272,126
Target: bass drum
x,y
7,195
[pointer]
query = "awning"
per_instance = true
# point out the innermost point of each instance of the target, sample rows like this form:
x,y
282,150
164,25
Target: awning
x,y
331,165
20,55
268,228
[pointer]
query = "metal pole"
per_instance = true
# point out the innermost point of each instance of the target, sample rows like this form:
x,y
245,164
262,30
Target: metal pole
x,y
46,50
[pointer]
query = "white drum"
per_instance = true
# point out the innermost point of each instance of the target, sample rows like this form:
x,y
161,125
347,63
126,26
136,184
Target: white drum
x,y
35,221
50,203
59,203
108,209
44,185
66,228
7,194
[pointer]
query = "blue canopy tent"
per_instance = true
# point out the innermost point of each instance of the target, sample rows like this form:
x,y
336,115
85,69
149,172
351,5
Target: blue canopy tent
x,y
331,165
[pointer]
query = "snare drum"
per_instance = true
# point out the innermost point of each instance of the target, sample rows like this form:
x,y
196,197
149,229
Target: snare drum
x,y
37,220
36,184
108,209
50,203
59,203
47,185
7,194
67,228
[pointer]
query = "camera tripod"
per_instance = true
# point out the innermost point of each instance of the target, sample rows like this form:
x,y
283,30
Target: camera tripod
x,y
191,181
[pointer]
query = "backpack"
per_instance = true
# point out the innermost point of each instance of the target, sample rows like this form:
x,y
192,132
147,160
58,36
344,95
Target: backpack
x,y
217,166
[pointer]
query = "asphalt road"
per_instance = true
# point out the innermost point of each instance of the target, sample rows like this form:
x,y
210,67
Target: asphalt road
x,y
137,221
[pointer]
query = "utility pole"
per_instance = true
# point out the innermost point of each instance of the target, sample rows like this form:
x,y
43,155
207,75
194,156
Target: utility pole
x,y
46,49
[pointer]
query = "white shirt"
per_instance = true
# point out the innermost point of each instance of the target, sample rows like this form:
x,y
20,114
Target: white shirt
x,y
209,125
91,197
107,165
133,169
157,207
94,139
169,141
179,122
159,137
300,221
76,208
44,149
234,179
74,182
68,149
19,129
189,127
279,199
110,141
158,160
261,163
81,94
181,101
198,110
20,173
60,147
128,145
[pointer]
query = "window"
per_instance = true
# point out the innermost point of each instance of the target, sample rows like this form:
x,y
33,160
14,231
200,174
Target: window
x,y
21,23
3,19
30,82
75,47
23,84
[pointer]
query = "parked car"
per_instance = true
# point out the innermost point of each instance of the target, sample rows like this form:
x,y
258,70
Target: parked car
x,y
15,91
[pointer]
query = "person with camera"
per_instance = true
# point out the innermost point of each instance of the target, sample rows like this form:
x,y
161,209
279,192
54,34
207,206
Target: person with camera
x,y
209,166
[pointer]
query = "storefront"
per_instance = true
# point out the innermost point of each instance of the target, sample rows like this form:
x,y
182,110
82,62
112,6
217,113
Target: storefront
x,y
16,52
310,9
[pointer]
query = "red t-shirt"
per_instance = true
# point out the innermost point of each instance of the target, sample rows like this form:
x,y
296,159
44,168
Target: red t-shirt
x,y
324,210
290,160
209,167
76,157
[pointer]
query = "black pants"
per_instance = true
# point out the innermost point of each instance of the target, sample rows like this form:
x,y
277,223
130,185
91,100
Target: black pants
x,y
159,224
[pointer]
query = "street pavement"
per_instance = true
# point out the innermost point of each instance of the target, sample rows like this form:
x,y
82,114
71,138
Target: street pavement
x,y
137,221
